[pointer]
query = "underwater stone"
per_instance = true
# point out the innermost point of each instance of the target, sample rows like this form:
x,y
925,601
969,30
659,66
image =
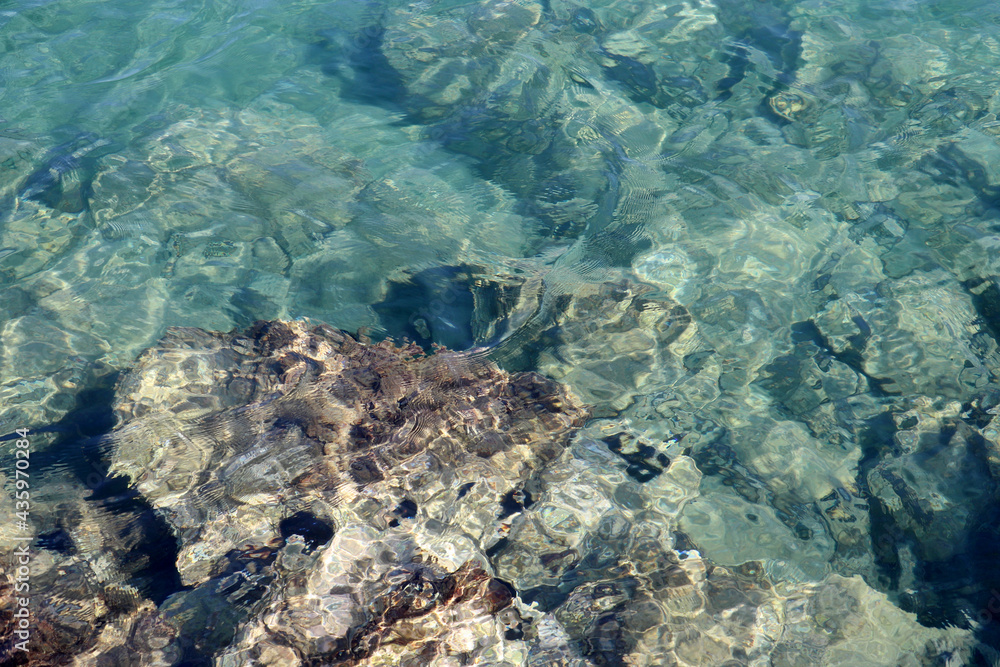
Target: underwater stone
x,y
240,440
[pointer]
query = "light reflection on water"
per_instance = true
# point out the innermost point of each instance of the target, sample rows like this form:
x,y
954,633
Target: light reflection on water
x,y
762,237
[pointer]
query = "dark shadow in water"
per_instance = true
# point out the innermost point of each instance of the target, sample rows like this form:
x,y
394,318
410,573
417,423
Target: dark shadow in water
x,y
434,306
357,60
313,530
526,157
851,356
765,28
947,592
638,80
951,166
875,440
454,306
148,547
985,297
65,180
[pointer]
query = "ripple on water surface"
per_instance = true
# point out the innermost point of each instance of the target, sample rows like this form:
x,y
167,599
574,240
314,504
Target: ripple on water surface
x,y
758,243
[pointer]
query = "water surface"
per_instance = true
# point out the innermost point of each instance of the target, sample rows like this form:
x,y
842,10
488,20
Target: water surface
x,y
807,193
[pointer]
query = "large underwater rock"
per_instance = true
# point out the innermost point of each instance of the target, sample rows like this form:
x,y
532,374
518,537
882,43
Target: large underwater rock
x,y
338,492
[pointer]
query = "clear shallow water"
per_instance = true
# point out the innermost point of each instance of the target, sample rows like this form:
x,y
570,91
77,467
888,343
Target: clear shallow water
x,y
810,188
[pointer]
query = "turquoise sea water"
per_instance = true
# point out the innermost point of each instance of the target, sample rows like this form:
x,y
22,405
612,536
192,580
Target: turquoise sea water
x,y
811,188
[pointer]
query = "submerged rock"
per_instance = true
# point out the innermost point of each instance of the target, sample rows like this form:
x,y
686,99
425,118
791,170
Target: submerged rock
x,y
603,550
328,494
